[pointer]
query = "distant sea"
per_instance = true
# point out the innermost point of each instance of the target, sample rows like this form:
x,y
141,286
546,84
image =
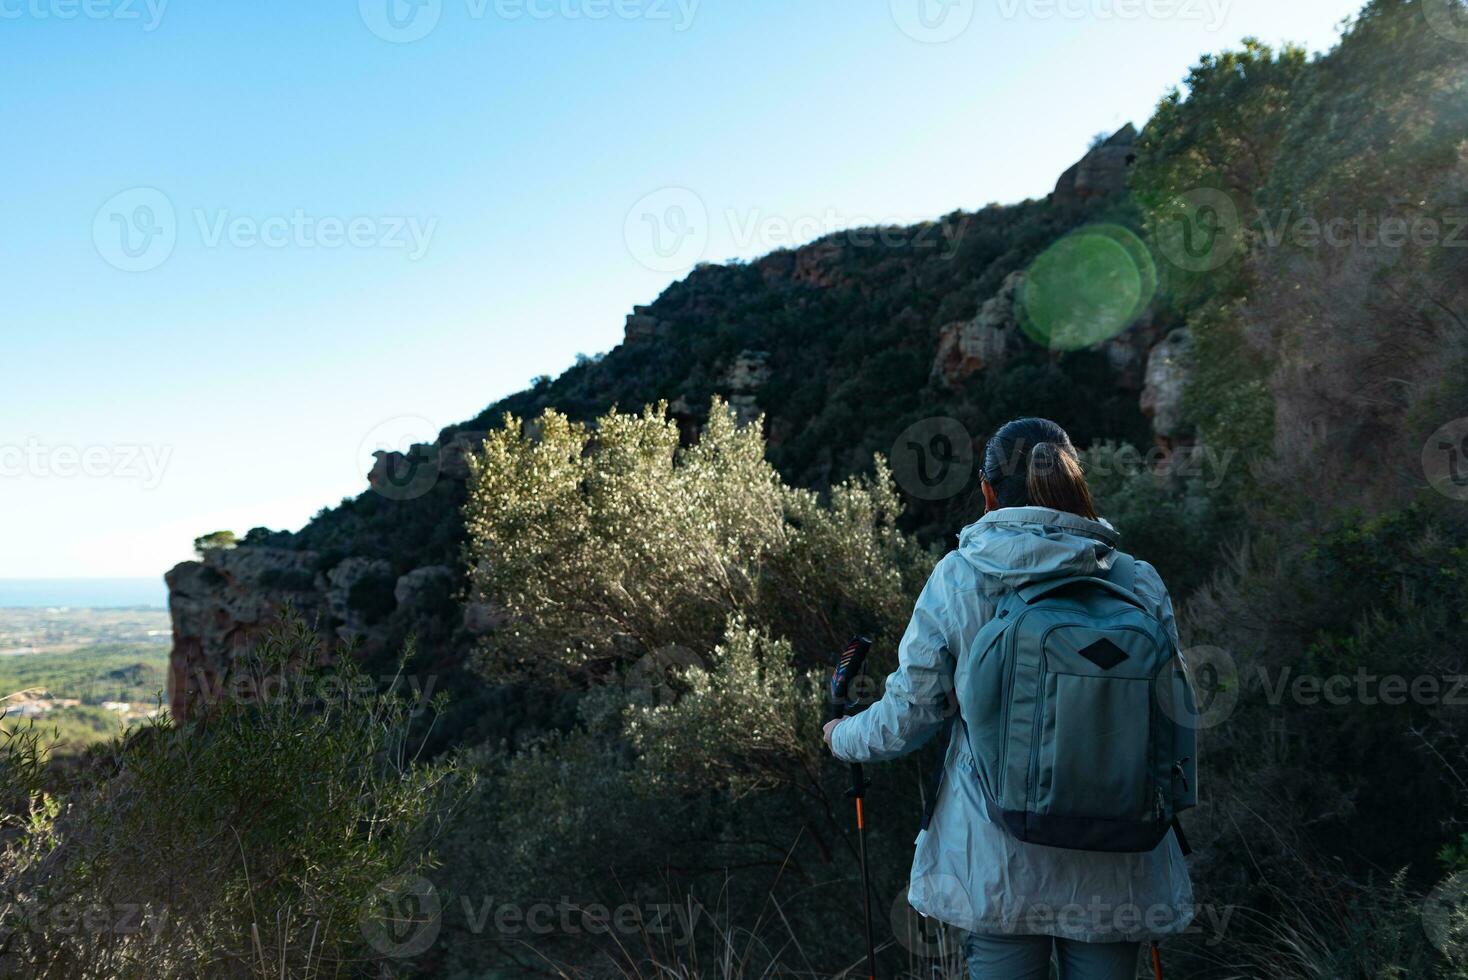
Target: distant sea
x,y
95,593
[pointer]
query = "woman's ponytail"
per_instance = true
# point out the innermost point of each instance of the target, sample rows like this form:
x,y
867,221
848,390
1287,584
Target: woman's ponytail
x,y
1032,463
1055,480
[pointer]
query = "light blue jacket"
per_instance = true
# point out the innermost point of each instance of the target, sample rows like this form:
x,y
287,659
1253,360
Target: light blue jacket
x,y
968,871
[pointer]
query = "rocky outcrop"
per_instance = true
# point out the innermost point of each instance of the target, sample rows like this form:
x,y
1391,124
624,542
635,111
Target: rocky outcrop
x,y
422,587
642,326
407,475
969,346
819,264
1101,172
990,339
1168,366
745,377
221,604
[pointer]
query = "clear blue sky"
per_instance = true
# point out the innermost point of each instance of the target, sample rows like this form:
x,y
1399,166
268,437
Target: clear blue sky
x,y
235,383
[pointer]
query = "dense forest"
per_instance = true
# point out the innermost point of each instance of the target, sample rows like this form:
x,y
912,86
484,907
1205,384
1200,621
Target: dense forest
x,y
626,586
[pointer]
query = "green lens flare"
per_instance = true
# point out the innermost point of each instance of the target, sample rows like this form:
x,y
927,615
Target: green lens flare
x,y
1087,288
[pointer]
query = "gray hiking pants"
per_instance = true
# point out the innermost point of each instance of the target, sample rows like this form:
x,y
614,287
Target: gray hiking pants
x,y
1028,958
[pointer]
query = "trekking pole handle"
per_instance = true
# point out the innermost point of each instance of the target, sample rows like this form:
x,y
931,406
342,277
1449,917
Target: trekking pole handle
x,y
848,666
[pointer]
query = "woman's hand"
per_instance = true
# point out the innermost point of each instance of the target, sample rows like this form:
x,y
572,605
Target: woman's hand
x,y
830,725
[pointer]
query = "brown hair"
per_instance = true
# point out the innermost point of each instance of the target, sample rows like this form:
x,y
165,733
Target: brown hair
x,y
1032,463
1055,480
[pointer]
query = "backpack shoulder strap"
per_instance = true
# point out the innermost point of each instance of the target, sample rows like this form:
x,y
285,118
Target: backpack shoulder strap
x,y
1003,613
1182,839
1123,575
1004,610
1123,571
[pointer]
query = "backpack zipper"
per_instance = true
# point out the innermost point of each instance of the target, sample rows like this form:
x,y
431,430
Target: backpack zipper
x,y
1042,696
1003,775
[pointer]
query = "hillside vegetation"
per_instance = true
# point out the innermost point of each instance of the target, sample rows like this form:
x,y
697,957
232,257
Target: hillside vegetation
x,y
627,779
69,690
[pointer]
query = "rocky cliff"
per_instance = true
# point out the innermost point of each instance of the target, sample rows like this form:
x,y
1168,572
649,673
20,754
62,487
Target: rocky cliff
x,y
840,345
1103,171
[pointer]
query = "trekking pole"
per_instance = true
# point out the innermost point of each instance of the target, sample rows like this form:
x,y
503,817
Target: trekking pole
x,y
849,665
1156,961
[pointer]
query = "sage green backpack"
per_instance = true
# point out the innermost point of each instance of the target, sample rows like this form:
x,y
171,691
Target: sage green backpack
x,y
1077,709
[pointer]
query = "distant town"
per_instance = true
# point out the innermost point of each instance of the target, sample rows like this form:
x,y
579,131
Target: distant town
x,y
62,630
82,674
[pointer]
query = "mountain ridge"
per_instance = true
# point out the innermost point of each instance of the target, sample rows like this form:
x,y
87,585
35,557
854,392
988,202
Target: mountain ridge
x,y
839,344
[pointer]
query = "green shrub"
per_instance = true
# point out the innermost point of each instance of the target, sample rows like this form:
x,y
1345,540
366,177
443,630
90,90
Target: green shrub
x,y
693,599
255,842
603,544
1174,519
214,540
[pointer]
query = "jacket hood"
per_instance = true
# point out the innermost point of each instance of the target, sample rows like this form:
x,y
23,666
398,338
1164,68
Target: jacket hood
x,y
1020,545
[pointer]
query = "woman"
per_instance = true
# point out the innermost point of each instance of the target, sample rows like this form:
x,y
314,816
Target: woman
x,y
1016,903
